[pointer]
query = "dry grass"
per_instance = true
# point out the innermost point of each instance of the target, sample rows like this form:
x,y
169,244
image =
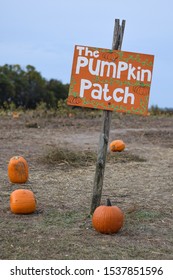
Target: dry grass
x,y
138,180
68,158
78,158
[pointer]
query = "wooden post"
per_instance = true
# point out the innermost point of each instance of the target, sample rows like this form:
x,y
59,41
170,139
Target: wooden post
x,y
104,136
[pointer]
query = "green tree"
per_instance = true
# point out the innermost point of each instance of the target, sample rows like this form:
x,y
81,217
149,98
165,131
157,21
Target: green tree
x,y
60,90
27,88
7,87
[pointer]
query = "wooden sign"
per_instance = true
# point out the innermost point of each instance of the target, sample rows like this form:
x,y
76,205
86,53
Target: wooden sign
x,y
110,80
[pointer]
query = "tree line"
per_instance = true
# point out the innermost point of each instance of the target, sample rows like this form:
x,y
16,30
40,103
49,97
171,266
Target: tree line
x,y
27,88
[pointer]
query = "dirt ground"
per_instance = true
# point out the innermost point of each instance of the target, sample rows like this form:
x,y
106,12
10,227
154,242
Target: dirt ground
x,y
139,181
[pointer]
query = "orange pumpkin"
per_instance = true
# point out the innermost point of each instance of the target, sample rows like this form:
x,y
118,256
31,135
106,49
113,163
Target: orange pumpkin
x,y
111,56
142,90
22,202
117,146
107,218
74,100
18,170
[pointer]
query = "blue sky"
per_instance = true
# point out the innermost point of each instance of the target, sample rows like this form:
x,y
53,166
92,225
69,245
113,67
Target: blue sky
x,y
43,33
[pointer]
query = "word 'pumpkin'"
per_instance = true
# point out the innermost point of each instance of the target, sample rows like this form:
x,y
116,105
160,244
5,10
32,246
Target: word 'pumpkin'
x,y
107,218
117,146
22,202
18,170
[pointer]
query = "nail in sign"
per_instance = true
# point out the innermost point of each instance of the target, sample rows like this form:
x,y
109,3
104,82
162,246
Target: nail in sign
x,y
110,80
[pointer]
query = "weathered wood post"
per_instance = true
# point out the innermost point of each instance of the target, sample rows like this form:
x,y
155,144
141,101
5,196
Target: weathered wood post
x,y
104,136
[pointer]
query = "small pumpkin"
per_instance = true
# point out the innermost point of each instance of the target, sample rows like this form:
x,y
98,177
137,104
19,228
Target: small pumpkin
x,y
111,56
73,100
18,170
22,201
107,219
142,90
117,146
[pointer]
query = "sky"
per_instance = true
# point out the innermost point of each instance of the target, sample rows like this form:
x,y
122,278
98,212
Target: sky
x,y
43,33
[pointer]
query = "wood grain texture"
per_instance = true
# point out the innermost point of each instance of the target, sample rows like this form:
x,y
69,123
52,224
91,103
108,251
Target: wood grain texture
x,y
104,135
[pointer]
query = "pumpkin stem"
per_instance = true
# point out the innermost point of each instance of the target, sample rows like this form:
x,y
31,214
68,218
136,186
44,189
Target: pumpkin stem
x,y
108,202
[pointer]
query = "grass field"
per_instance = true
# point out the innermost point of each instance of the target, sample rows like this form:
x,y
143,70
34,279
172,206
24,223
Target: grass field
x,y
61,153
